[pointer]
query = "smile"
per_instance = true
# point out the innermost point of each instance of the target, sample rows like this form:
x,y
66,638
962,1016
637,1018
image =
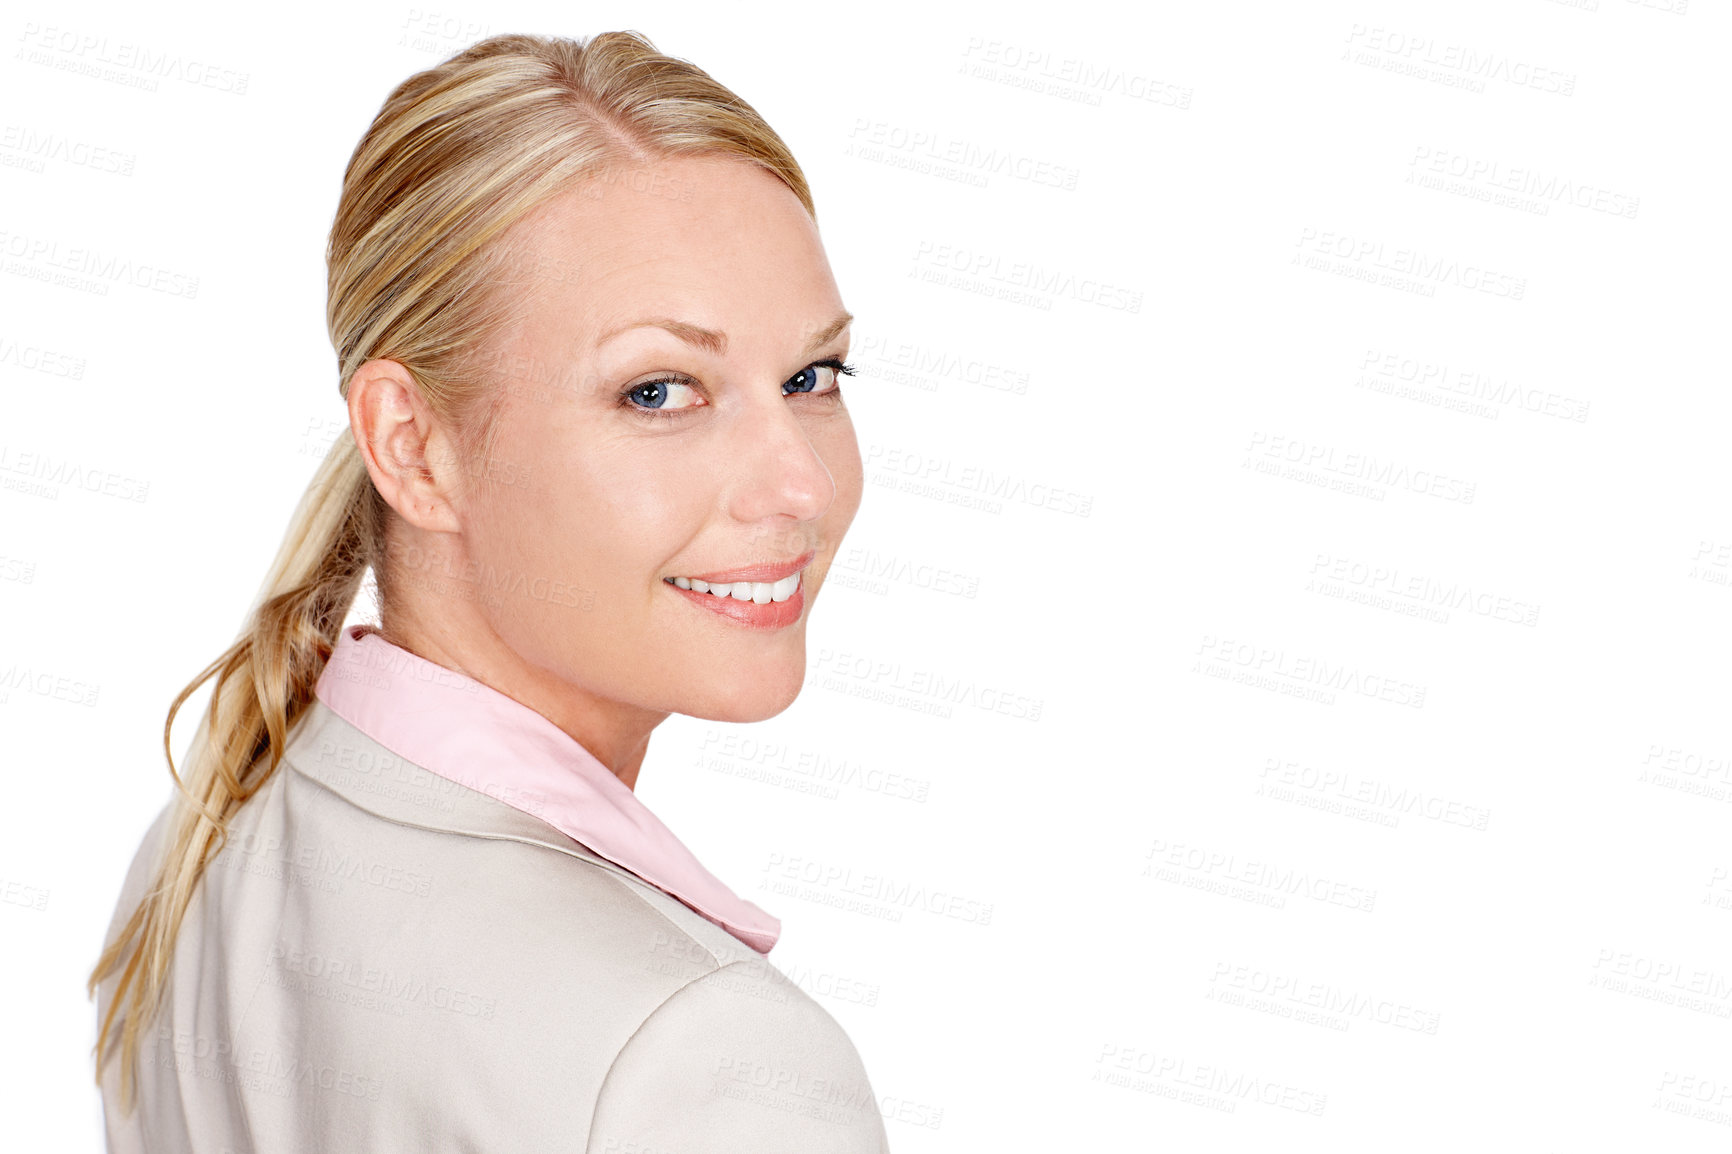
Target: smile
x,y
757,592
759,597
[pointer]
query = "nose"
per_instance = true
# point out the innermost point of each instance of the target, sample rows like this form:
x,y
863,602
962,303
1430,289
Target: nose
x,y
774,470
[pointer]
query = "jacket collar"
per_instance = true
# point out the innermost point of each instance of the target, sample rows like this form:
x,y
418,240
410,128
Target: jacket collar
x,y
474,736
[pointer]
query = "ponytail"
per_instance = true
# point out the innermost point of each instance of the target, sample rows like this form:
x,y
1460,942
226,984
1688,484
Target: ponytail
x,y
264,682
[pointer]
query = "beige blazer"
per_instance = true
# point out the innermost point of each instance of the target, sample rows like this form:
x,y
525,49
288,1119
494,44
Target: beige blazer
x,y
382,962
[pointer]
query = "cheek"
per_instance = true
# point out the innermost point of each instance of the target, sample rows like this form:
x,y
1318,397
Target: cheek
x,y
840,451
613,515
544,512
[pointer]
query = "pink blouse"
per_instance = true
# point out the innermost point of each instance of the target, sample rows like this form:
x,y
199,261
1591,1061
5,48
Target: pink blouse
x,y
454,726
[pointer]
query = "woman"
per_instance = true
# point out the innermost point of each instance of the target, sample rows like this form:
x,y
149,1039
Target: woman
x,y
406,898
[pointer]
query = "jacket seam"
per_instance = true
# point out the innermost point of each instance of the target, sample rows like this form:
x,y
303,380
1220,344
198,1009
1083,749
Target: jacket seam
x,y
613,1063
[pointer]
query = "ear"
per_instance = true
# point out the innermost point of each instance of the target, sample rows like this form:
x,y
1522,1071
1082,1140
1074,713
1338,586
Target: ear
x,y
409,455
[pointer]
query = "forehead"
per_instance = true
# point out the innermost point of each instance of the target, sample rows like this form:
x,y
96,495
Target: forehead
x,y
717,242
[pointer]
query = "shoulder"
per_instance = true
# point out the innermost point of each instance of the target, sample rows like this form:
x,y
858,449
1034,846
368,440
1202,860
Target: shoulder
x,y
356,813
441,968
471,873
740,1058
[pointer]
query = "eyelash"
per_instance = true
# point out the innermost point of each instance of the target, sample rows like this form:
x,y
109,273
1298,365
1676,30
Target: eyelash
x,y
625,401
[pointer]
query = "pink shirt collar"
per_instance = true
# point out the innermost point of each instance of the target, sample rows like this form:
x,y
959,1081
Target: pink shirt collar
x,y
464,731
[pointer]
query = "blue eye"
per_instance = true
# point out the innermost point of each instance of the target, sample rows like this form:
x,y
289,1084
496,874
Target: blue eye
x,y
667,398
650,396
654,397
808,378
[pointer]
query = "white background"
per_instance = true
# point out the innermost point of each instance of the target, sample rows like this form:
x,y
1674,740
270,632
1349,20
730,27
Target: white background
x,y
1274,693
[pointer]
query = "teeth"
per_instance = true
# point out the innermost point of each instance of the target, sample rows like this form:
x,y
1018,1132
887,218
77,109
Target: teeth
x,y
757,592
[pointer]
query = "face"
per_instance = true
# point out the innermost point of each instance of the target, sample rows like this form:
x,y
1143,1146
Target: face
x,y
670,410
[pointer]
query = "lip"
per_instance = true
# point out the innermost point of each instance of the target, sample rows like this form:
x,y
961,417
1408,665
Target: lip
x,y
764,573
771,615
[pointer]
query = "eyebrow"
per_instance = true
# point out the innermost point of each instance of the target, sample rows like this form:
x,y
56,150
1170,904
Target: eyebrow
x,y
715,342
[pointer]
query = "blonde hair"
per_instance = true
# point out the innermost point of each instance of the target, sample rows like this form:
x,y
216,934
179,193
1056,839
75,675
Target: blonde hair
x,y
457,154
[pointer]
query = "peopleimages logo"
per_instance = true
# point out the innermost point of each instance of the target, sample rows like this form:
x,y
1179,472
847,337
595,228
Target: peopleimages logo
x,y
1266,666
136,65
1349,470
1050,282
1219,872
833,884
1423,56
836,670
1067,77
1543,188
929,473
1369,256
38,257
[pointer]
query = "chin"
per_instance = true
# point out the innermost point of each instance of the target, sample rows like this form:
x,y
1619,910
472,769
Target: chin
x,y
757,700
